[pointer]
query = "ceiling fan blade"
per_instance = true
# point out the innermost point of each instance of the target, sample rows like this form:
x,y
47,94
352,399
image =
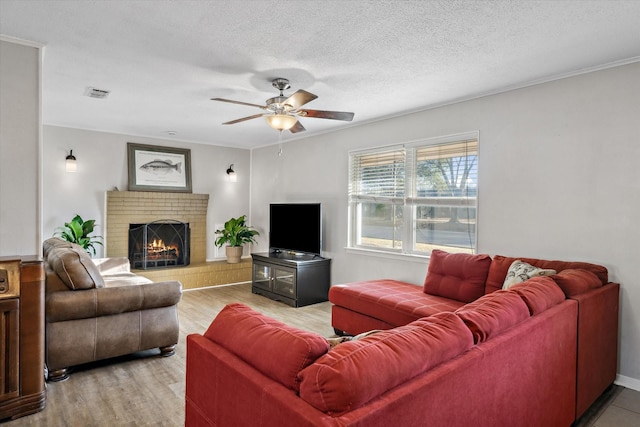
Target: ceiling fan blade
x,y
230,101
334,115
300,98
255,116
297,128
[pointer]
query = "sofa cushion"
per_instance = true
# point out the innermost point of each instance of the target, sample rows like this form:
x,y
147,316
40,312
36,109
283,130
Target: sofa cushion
x,y
539,293
275,349
75,268
493,313
355,372
460,277
500,264
574,281
520,271
391,301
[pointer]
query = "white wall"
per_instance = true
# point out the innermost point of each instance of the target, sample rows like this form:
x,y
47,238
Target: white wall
x,y
19,149
557,180
102,166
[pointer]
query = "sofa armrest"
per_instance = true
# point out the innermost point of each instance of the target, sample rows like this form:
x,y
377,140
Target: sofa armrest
x,y
212,371
113,265
89,303
597,343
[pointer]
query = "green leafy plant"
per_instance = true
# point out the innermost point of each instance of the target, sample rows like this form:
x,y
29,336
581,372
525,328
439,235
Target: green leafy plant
x,y
236,233
77,231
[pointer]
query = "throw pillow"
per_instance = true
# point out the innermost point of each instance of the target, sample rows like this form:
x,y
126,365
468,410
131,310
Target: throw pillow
x,y
520,271
457,276
339,340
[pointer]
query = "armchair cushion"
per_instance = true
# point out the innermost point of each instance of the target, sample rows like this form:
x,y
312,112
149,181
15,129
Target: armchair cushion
x,y
113,265
75,268
123,279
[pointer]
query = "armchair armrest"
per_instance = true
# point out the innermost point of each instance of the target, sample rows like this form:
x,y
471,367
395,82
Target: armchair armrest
x,y
89,303
115,265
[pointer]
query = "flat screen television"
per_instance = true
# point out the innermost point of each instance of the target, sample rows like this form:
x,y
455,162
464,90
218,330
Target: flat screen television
x,y
295,227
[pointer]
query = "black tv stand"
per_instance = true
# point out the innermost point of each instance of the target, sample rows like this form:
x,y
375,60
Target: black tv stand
x,y
297,279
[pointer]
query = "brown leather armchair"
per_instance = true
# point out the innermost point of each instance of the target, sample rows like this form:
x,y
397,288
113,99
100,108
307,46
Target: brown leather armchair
x,y
98,309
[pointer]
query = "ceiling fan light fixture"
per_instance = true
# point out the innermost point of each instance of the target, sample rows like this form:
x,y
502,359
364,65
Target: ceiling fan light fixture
x,y
282,112
281,121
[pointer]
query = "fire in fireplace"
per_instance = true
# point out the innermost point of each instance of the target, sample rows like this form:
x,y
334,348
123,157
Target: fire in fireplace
x,y
159,244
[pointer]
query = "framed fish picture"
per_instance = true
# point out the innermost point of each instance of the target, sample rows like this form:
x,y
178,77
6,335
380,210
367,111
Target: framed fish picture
x,y
156,168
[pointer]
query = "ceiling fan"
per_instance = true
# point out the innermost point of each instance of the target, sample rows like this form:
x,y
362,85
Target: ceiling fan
x,y
282,112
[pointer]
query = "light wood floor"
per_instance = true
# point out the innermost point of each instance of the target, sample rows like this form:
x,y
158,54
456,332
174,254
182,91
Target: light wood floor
x,y
145,390
149,391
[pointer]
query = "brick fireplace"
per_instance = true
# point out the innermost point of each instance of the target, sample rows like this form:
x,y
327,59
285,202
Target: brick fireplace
x,y
138,207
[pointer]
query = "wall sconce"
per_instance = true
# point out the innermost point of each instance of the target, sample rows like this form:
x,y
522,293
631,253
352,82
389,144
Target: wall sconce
x,y
71,162
281,121
233,176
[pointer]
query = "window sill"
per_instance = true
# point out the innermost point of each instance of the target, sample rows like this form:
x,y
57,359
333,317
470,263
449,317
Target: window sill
x,y
388,255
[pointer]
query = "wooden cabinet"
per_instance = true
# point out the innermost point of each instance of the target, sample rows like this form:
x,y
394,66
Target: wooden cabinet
x,y
22,387
9,348
296,280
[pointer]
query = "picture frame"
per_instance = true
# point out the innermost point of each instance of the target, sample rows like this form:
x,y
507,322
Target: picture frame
x,y
157,168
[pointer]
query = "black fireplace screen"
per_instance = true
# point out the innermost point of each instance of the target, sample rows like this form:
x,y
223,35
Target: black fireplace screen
x,y
159,244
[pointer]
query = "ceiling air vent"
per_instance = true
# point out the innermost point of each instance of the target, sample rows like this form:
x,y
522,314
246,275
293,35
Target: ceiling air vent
x,y
92,92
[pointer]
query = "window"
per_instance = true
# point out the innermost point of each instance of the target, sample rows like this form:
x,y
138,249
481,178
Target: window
x,y
416,197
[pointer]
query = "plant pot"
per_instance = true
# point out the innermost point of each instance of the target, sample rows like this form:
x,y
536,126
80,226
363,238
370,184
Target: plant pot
x,y
234,253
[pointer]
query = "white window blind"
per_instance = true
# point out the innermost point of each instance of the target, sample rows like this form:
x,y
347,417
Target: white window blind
x,y
376,193
378,176
415,198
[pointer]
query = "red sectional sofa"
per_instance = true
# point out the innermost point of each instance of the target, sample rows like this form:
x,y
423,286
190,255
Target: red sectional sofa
x,y
455,279
504,358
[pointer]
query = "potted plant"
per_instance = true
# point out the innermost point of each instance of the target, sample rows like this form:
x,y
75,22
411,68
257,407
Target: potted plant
x,y
235,234
77,231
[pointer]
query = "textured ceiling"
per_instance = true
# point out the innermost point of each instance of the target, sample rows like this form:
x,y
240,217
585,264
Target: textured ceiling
x,y
164,60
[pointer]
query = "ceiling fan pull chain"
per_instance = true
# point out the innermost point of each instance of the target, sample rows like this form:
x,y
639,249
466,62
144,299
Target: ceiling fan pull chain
x,y
280,143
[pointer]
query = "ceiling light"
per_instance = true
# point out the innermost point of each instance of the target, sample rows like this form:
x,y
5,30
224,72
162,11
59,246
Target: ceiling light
x,y
281,121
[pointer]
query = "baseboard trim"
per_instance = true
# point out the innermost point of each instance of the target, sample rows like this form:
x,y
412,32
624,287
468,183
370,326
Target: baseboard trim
x,y
216,286
627,382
